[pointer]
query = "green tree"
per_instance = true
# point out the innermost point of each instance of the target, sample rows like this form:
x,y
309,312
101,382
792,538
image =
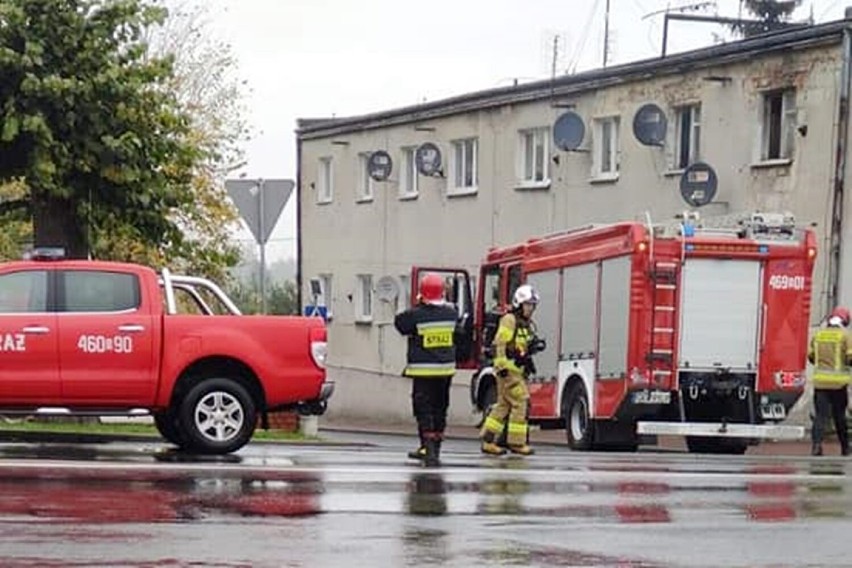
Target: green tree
x,y
88,122
281,297
773,15
114,158
17,228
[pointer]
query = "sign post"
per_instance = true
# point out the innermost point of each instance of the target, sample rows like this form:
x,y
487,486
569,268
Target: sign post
x,y
260,203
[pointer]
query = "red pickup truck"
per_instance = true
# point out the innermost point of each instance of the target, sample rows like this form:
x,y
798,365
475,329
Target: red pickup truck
x,y
102,338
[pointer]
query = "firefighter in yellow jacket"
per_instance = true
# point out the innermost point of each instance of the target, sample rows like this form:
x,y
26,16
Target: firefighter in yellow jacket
x,y
512,360
831,353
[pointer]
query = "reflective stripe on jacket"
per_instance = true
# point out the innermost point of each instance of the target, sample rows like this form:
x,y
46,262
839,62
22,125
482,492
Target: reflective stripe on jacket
x,y
430,329
830,353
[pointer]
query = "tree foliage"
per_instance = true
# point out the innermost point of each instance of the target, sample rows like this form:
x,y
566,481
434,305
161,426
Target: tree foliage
x,y
771,15
107,137
281,297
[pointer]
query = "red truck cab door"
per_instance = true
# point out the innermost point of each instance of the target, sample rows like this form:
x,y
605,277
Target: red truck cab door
x,y
29,366
457,291
106,338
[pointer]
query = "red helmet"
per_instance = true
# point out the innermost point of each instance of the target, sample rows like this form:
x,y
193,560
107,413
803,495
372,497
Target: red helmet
x,y
431,288
842,313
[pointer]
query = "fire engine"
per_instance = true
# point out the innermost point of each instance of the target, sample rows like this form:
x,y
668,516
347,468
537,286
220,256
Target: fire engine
x,y
653,329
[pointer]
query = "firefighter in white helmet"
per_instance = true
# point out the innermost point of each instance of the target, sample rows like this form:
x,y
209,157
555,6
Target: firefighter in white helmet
x,y
512,362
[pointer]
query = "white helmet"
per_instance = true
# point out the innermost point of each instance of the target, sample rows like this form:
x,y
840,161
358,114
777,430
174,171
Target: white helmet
x,y
524,294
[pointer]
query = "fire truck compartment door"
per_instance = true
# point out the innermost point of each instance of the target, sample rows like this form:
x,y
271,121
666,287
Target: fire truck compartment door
x,y
720,314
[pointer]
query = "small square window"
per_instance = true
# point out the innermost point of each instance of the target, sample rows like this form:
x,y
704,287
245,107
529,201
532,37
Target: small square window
x,y
688,136
778,125
325,180
605,162
534,154
365,182
364,298
408,186
464,165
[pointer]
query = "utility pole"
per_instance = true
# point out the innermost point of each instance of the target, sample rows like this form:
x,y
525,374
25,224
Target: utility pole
x,y
606,35
262,227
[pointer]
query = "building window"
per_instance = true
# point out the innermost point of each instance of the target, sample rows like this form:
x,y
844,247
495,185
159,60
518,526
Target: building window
x,y
534,152
365,182
325,293
779,124
325,181
408,184
404,298
606,148
465,176
688,133
364,298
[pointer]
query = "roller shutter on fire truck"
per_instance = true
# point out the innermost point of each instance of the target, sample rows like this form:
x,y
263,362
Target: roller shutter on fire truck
x,y
720,314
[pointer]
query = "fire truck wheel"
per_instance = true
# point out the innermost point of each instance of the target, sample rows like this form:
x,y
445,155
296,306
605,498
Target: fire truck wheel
x,y
168,427
578,425
708,445
217,416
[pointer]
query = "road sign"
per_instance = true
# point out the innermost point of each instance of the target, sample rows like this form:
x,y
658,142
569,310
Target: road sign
x,y
260,203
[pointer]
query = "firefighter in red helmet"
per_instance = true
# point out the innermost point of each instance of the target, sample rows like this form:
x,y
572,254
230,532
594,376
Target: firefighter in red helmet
x,y
831,354
431,363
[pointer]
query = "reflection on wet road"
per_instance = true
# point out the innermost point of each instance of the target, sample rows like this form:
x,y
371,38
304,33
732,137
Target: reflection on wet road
x,y
140,505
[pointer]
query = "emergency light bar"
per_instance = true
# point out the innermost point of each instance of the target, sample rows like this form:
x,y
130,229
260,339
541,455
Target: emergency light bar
x,y
45,253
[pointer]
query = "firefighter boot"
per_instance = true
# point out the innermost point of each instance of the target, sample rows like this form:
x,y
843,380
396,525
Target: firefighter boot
x,y
490,447
432,455
816,449
419,453
522,450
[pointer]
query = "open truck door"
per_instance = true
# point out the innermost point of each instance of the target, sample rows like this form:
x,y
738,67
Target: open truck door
x,y
457,291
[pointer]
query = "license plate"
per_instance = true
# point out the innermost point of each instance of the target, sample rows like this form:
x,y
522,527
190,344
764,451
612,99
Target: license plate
x,y
652,397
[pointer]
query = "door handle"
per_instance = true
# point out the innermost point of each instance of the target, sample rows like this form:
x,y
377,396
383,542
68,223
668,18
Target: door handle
x,y
36,329
131,328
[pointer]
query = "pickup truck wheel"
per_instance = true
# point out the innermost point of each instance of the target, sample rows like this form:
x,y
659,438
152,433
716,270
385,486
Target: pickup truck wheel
x,y
168,427
217,416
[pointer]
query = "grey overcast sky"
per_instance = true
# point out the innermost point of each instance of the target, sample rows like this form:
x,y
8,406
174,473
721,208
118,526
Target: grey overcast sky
x,y
320,58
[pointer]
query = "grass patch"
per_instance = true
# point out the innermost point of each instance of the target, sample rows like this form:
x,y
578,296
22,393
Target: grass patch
x,y
130,429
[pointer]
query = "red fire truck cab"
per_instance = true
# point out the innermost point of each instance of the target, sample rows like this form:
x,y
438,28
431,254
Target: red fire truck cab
x,y
653,330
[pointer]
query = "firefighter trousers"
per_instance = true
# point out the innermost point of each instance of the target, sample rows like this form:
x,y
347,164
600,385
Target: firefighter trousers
x,y
430,397
833,402
511,405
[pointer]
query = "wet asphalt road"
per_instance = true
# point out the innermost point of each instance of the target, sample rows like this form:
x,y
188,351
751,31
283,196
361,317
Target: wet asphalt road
x,y
140,504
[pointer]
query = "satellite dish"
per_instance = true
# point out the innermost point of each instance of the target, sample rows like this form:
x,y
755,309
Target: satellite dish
x,y
568,131
427,157
387,289
649,125
379,165
698,184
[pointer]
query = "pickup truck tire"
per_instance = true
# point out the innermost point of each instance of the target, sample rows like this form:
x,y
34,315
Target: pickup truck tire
x,y
217,416
168,427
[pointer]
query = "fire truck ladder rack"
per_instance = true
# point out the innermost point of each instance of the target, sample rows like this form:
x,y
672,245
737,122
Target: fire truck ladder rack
x,y
660,357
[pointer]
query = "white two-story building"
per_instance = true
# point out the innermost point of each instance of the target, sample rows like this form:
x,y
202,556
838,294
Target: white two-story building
x,y
769,114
